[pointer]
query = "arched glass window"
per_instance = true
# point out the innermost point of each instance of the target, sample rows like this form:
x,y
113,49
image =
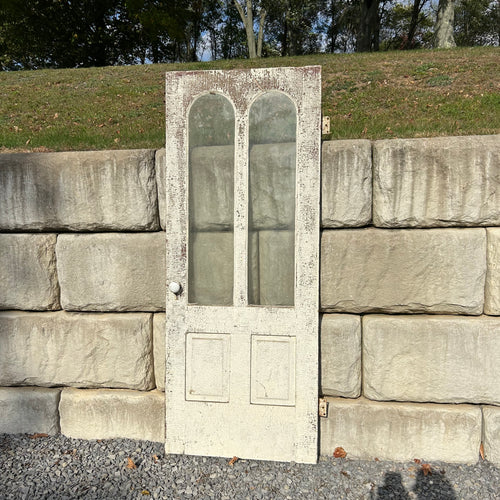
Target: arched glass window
x,y
272,165
211,200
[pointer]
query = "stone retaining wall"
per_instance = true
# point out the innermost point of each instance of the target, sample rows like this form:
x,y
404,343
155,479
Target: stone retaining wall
x,y
410,294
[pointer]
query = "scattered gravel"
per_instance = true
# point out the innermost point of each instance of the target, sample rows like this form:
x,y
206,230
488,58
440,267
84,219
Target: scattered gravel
x,y
59,467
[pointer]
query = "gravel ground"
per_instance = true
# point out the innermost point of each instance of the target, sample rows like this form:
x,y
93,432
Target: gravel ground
x,y
59,467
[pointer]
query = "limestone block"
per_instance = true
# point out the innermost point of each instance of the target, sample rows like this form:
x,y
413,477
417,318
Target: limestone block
x,y
28,275
108,414
340,355
402,431
76,349
29,410
211,268
346,183
444,181
272,186
211,189
491,433
492,290
380,270
111,271
442,359
79,191
160,158
159,339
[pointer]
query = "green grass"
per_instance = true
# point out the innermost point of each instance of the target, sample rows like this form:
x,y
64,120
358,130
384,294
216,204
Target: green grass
x,y
373,96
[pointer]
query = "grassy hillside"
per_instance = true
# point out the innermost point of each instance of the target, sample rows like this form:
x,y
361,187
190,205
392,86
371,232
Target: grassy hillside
x,y
374,96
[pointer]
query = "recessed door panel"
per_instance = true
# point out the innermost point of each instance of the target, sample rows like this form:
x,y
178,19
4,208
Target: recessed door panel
x,y
243,184
207,367
273,370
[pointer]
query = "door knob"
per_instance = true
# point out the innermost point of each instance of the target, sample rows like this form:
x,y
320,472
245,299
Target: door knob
x,y
175,287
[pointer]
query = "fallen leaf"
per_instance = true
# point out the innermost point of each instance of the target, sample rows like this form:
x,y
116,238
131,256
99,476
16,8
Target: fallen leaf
x,y
233,461
145,492
481,451
426,469
130,464
417,461
38,435
156,459
339,452
376,459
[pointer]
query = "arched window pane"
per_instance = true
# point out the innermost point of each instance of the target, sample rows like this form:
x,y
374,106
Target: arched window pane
x,y
211,201
272,155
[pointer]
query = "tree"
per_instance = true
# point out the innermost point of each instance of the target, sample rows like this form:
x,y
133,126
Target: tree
x,y
477,22
414,22
369,26
294,26
48,33
246,13
232,37
443,33
342,24
407,26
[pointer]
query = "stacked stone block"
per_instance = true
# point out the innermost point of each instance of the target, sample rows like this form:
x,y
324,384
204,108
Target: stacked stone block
x,y
423,277
410,296
78,300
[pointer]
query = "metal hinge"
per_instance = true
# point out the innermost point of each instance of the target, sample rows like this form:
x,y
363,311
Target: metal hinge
x,y
325,125
323,408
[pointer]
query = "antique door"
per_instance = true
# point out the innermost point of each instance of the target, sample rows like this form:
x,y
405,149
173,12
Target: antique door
x,y
243,184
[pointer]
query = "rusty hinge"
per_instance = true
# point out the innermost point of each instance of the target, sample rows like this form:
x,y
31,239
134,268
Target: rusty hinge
x,y
325,125
323,408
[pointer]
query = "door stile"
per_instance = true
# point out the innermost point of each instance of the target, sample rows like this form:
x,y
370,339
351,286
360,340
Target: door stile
x,y
307,235
176,207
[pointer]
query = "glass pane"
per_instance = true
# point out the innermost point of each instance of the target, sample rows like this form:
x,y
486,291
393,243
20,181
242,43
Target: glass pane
x,y
211,201
271,242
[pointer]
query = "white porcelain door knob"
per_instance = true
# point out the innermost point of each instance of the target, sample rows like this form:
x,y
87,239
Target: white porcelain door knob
x,y
174,287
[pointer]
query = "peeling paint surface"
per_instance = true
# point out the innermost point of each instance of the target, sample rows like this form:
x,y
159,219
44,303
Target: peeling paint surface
x,y
286,428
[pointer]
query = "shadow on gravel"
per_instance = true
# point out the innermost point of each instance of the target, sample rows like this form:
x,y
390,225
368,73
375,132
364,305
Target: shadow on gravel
x,y
427,487
392,488
433,486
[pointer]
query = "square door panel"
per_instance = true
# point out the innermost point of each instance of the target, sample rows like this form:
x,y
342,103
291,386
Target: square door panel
x,y
273,370
207,367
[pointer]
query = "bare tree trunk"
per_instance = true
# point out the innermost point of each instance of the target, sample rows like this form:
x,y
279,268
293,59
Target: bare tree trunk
x,y
248,23
368,34
443,33
261,32
415,16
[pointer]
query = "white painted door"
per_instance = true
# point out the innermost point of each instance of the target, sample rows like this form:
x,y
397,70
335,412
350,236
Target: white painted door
x,y
243,184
